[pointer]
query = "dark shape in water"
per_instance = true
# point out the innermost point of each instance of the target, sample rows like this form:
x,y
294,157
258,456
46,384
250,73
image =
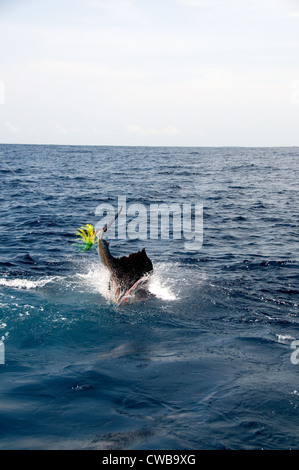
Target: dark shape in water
x,y
128,273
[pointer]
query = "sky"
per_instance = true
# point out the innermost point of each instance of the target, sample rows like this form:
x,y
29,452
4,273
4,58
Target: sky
x,y
158,72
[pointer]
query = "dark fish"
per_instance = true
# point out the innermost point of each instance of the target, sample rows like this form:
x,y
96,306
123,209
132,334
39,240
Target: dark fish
x,y
128,274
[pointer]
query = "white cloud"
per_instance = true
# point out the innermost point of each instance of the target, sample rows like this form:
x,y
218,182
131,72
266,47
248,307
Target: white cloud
x,y
11,127
223,4
169,130
2,92
199,3
116,9
81,130
95,130
60,129
149,71
81,69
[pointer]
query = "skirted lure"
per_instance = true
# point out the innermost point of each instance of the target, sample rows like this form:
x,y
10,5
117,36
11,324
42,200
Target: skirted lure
x,y
87,235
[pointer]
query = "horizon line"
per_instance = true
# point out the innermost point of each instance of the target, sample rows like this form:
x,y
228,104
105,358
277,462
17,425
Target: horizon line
x,y
149,146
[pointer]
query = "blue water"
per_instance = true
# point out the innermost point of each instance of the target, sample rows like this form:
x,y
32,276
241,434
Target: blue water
x,y
206,363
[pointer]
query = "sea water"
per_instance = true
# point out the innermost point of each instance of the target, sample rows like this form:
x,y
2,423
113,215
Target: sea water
x,y
203,364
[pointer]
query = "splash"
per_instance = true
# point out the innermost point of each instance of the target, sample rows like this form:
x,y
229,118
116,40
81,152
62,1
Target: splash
x,y
95,280
160,289
162,284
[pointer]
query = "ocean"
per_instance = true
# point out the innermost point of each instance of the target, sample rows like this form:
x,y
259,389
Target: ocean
x,y
209,362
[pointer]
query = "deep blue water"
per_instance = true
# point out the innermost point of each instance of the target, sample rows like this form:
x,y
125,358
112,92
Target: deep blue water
x,y
206,364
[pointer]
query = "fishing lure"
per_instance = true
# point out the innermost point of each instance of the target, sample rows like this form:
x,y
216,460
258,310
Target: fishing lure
x,y
87,235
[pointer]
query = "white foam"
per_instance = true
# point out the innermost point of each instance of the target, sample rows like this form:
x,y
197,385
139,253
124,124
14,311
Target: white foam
x,y
161,284
18,283
160,290
164,283
284,338
96,280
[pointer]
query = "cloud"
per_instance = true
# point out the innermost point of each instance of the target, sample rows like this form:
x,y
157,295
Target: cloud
x,y
197,3
95,130
169,130
2,92
11,127
82,69
269,7
60,129
149,71
224,4
81,130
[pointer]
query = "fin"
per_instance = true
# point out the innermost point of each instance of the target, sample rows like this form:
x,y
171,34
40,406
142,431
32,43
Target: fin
x,y
127,270
128,273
